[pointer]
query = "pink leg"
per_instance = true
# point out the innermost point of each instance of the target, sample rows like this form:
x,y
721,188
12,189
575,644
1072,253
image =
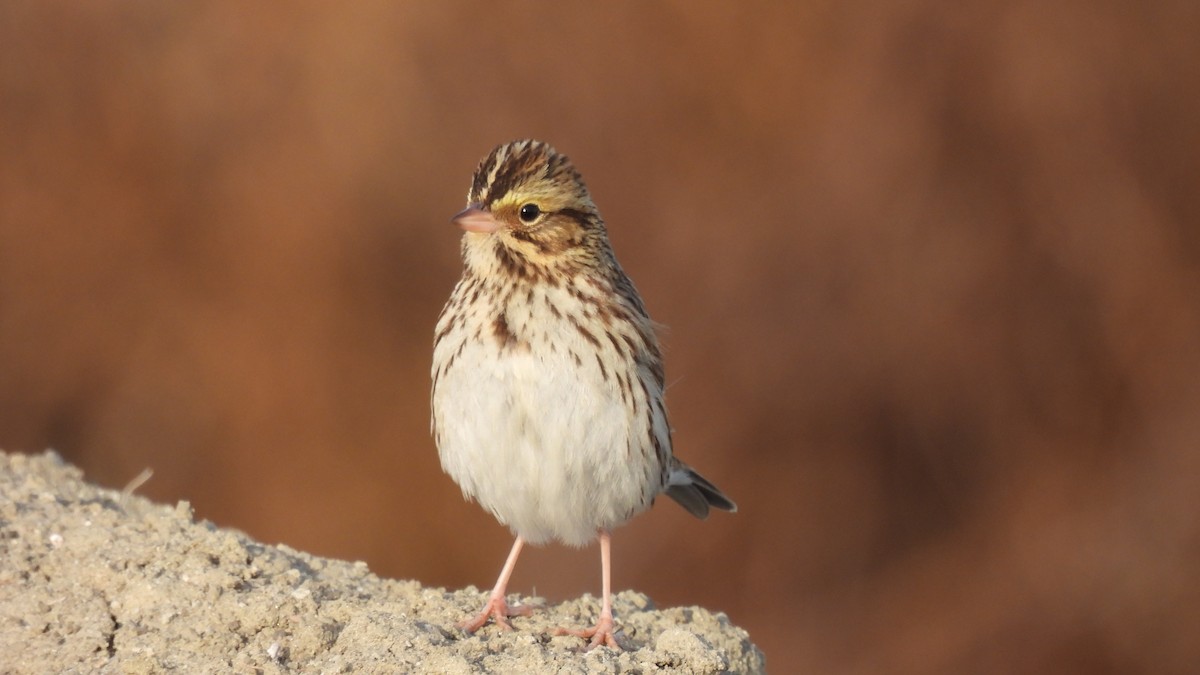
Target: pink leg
x,y
496,608
602,632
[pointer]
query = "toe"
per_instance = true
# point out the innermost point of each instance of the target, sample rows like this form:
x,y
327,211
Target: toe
x,y
603,633
498,611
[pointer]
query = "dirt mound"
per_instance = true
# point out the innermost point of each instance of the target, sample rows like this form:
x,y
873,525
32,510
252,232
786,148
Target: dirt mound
x,y
96,579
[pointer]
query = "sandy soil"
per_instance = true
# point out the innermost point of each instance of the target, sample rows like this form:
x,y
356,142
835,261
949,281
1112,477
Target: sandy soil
x,y
95,580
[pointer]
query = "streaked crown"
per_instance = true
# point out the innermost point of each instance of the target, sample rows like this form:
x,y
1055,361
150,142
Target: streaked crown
x,y
529,205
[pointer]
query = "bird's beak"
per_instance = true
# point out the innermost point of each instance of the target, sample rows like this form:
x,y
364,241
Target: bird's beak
x,y
475,219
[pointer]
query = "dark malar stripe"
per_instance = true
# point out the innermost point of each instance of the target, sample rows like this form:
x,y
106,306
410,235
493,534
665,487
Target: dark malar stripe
x,y
524,235
509,263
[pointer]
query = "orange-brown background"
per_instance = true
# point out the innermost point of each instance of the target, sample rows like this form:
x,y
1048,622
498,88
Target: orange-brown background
x,y
931,273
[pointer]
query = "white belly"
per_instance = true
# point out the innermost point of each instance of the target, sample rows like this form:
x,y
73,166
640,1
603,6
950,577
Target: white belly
x,y
541,442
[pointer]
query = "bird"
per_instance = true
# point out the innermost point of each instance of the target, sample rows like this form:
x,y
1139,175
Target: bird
x,y
548,381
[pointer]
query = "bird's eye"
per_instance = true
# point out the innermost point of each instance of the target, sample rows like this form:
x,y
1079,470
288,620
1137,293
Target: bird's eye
x,y
530,212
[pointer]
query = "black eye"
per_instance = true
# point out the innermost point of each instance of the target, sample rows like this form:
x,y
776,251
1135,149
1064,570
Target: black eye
x,y
530,212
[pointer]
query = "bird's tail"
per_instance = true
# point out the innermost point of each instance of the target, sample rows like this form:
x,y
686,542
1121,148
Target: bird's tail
x,y
694,492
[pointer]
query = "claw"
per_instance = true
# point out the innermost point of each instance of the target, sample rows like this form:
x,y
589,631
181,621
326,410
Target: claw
x,y
498,611
496,608
600,634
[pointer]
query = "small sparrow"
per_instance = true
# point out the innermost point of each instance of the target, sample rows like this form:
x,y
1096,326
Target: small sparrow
x,y
547,377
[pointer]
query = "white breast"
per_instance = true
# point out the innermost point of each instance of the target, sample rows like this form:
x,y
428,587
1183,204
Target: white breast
x,y
546,444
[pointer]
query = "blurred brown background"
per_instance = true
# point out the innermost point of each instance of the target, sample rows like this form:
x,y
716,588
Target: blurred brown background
x,y
931,273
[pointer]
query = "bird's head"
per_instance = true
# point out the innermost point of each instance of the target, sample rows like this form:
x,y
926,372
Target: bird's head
x,y
528,207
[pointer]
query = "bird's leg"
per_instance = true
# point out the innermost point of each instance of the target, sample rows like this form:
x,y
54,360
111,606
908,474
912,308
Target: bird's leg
x,y
602,632
496,608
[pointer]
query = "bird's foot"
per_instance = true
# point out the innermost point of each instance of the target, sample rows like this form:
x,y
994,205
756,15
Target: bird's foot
x,y
600,634
498,611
